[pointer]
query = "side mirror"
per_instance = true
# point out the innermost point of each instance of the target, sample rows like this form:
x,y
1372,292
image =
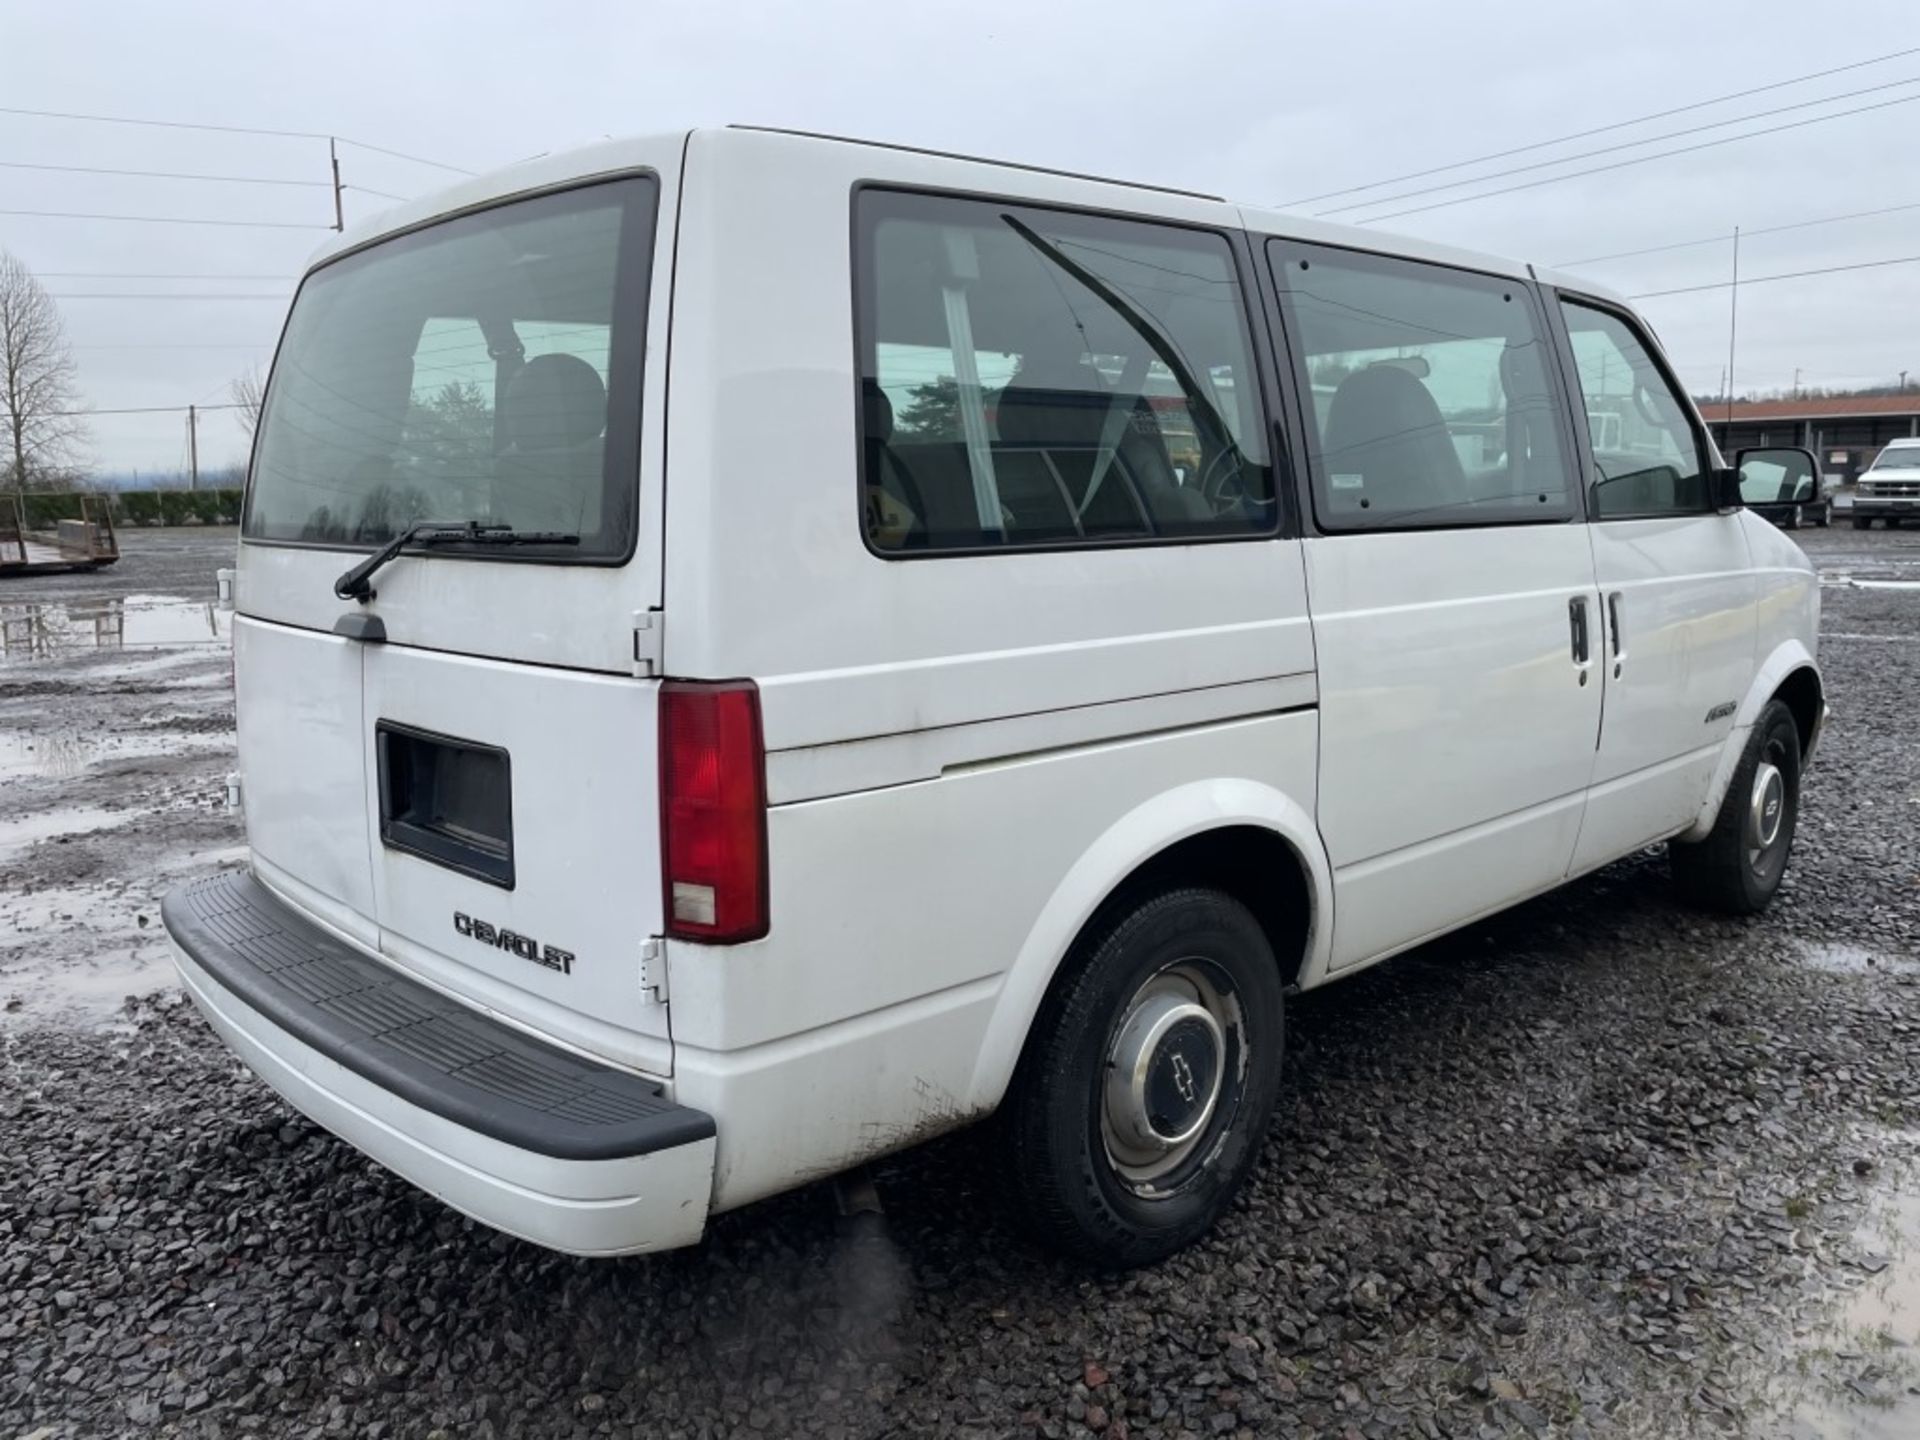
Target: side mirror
x,y
1777,470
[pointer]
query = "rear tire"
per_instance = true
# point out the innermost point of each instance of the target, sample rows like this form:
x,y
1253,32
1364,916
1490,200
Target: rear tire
x,y
1793,518
1149,1077
1738,866
1826,517
1860,524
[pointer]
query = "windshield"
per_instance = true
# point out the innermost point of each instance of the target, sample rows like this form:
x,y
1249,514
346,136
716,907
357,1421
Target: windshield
x,y
1901,457
463,372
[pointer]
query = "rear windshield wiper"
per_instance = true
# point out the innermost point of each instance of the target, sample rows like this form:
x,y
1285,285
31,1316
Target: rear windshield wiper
x,y
357,584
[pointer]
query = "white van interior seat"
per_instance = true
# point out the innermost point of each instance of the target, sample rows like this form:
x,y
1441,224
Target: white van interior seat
x,y
1060,406
1384,427
554,402
554,415
896,513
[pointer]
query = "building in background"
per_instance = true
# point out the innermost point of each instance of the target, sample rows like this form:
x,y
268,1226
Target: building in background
x,y
1844,431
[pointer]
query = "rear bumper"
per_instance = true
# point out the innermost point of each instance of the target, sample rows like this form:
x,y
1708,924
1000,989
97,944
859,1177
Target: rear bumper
x,y
527,1138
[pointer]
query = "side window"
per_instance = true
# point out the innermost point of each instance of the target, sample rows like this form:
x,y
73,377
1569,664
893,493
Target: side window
x,y
1432,399
1646,455
1041,378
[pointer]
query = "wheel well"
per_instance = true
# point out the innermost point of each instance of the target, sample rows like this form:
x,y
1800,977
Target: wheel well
x,y
1254,865
1800,693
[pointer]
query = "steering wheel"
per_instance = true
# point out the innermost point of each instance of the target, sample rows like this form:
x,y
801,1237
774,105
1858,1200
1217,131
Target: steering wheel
x,y
1223,490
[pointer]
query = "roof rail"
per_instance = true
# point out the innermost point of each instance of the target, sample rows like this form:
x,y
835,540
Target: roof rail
x,y
980,160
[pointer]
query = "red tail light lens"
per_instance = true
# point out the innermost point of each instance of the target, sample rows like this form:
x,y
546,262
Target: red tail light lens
x,y
713,811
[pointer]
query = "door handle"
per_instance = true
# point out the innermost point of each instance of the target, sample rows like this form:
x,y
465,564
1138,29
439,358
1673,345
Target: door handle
x,y
1614,632
1577,623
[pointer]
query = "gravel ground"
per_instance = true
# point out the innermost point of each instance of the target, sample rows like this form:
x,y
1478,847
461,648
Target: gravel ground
x,y
1601,1166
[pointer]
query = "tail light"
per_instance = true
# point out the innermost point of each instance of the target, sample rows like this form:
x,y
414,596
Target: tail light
x,y
713,811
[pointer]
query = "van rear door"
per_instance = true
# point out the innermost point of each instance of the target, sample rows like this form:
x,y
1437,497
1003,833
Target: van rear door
x,y
485,369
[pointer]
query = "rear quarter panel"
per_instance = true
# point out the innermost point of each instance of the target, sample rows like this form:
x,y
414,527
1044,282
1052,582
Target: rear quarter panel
x,y
949,738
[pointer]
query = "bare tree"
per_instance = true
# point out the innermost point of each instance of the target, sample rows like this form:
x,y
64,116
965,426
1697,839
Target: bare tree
x,y
248,391
38,394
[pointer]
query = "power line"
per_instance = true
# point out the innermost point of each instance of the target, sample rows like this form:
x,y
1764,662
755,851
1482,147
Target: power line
x,y
1602,129
398,155
161,174
1636,160
1745,234
226,130
160,124
152,295
142,410
369,190
168,220
1623,145
1746,280
131,275
183,345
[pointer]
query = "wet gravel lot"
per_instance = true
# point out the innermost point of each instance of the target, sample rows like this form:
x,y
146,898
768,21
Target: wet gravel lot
x,y
1601,1166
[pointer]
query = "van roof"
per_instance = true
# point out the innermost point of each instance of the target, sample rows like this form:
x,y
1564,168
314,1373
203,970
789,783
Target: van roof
x,y
612,156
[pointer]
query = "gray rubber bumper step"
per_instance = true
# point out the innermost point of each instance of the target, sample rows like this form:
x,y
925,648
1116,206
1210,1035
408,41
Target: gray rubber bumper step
x,y
413,1041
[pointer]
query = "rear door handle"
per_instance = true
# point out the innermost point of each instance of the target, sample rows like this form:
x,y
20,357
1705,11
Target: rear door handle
x,y
1577,623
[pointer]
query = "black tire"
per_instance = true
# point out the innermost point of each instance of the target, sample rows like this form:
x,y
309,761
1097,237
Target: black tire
x,y
1793,518
1737,867
1826,517
1057,1123
1892,522
1860,524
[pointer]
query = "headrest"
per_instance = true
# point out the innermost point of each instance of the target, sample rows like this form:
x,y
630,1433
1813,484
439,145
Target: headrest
x,y
1379,403
555,401
876,411
1060,405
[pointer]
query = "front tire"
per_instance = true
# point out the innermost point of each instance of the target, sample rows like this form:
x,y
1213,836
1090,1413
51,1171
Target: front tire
x,y
1739,865
1139,1106
1860,524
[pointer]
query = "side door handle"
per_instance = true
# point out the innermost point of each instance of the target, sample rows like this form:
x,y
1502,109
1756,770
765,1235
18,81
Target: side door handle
x,y
1577,623
1614,632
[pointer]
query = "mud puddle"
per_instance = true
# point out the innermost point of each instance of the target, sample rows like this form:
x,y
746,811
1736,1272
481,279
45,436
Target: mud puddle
x,y
96,993
19,832
1854,1372
44,630
63,754
1831,958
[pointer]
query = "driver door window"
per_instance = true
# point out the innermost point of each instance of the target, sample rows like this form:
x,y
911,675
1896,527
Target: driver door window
x,y
1646,454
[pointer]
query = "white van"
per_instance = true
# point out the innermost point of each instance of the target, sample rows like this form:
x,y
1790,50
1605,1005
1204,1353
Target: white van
x,y
755,649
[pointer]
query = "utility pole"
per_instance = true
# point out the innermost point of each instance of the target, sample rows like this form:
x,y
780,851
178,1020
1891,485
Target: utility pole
x,y
1796,382
333,159
193,448
1733,317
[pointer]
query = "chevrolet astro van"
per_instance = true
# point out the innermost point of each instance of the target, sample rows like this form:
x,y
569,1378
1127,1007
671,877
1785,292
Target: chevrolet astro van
x,y
755,649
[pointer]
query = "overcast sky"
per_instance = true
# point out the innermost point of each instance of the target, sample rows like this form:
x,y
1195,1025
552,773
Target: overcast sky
x,y
1263,102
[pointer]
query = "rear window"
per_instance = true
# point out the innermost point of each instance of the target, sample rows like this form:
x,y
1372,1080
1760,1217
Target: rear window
x,y
485,368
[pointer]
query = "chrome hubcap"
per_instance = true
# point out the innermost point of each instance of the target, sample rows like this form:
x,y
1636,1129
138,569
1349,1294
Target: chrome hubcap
x,y
1766,809
1166,1070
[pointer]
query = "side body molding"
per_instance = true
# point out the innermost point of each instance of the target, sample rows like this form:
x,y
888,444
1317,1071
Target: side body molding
x,y
1129,843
